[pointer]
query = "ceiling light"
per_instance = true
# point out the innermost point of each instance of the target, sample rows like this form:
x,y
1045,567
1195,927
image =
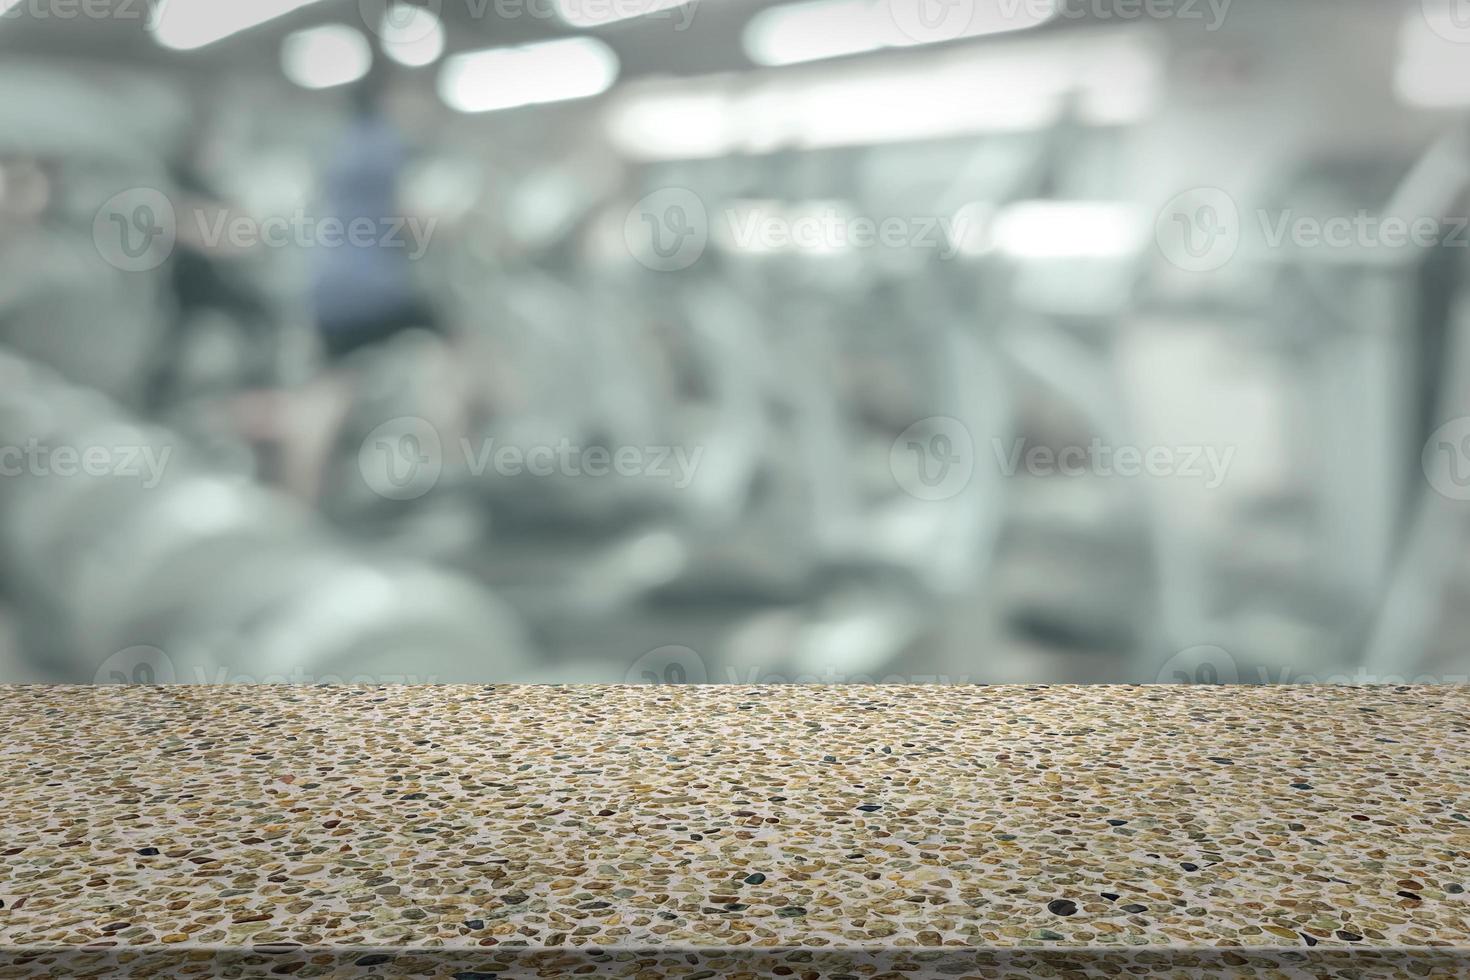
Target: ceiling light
x,y
549,71
321,57
817,29
187,24
412,36
596,13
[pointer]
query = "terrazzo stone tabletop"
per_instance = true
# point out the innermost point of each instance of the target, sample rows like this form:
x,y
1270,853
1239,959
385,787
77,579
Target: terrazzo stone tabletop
x,y
701,832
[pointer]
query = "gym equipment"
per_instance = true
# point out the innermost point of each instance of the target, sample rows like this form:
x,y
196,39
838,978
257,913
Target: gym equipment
x,y
221,576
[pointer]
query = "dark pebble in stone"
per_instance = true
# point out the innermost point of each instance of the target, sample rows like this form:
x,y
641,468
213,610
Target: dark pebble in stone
x,y
373,959
869,807
1135,908
829,758
755,879
1296,826
1455,889
1411,896
416,796
1188,866
1309,940
1049,934
1116,823
474,975
514,898
148,852
791,911
1061,906
1221,760
474,923
1301,785
1110,896
735,907
1348,937
596,905
667,916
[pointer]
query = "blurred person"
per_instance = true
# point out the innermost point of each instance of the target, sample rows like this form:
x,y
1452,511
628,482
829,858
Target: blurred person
x,y
363,293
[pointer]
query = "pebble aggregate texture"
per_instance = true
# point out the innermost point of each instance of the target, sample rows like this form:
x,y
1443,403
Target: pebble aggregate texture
x,y
699,832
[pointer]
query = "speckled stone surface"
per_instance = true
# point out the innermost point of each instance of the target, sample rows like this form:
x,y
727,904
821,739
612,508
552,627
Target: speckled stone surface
x,y
735,831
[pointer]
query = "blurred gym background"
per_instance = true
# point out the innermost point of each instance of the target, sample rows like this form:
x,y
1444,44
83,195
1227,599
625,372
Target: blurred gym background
x,y
733,340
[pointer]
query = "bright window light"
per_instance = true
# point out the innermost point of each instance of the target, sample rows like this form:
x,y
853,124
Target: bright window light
x,y
549,71
797,32
596,13
1067,230
188,24
321,57
1432,69
412,36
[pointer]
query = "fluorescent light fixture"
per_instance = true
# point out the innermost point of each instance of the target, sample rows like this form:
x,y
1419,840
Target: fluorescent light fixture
x,y
531,74
187,24
322,57
412,35
596,13
796,32
681,124
1067,230
817,29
